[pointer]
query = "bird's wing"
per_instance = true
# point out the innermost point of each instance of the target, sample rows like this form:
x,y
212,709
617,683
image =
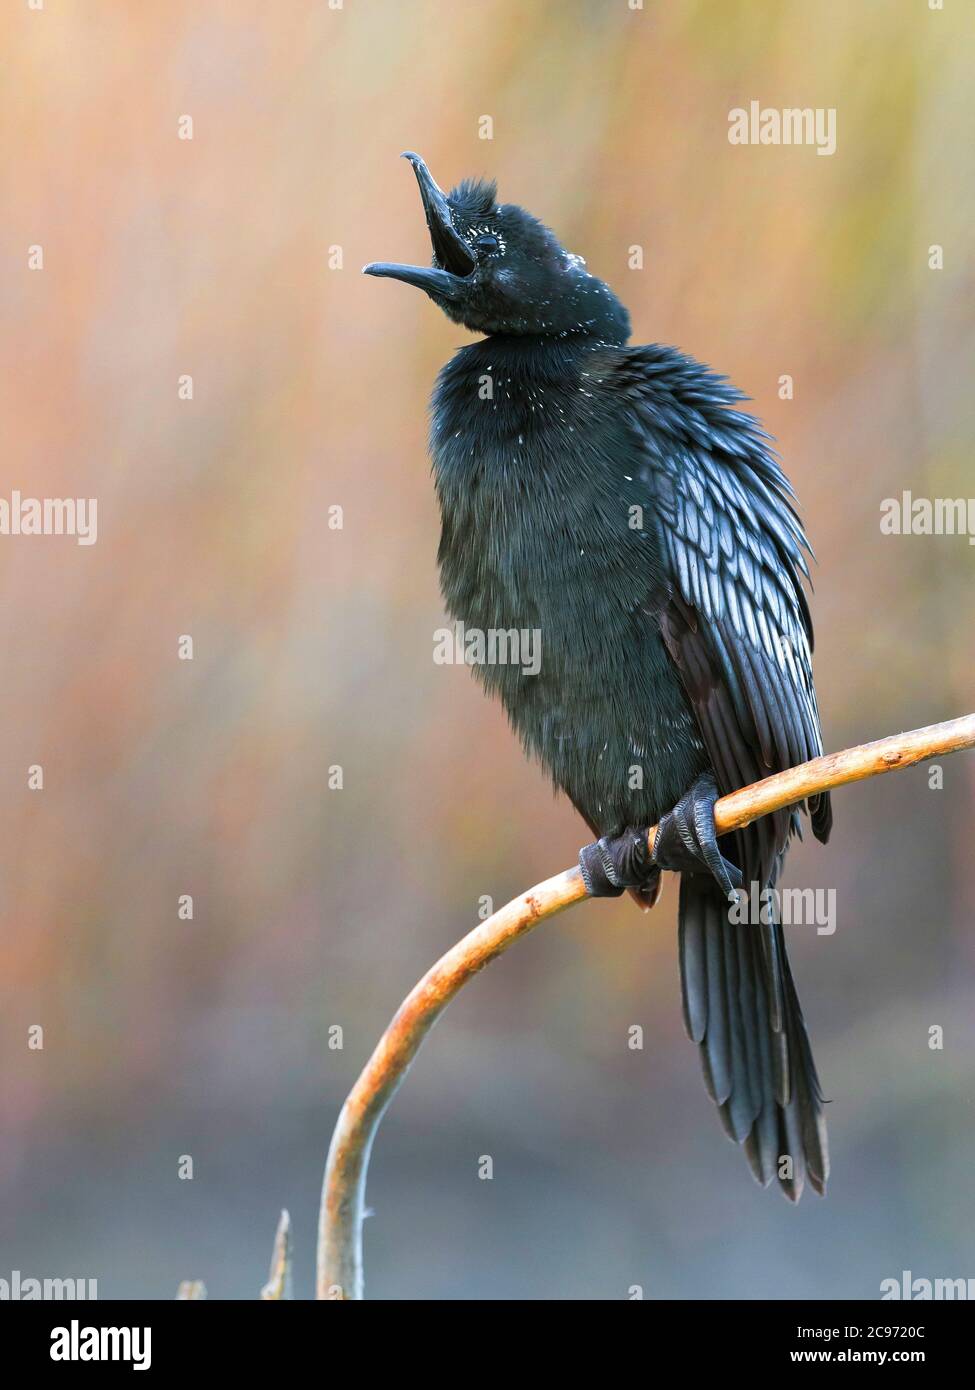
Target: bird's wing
x,y
734,619
733,613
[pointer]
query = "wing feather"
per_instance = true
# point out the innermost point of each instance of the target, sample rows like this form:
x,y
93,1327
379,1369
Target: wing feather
x,y
735,621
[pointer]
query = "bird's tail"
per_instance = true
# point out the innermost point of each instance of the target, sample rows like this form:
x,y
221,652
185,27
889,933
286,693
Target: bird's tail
x,y
741,1008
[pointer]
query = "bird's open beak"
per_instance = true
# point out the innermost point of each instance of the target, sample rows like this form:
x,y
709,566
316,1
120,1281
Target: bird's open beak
x,y
454,259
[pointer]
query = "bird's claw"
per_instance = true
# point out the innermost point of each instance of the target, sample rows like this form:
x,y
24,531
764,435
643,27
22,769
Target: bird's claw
x,y
687,842
616,863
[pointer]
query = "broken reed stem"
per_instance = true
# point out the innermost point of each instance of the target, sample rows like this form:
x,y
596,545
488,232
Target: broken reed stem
x,y
278,1286
343,1191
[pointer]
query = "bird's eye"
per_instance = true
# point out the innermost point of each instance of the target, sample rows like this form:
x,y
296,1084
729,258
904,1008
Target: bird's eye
x,y
486,242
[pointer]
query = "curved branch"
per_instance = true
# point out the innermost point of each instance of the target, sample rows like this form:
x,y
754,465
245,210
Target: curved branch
x,y
343,1192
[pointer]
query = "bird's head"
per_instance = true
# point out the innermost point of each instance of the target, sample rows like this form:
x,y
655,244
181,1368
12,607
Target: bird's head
x,y
497,269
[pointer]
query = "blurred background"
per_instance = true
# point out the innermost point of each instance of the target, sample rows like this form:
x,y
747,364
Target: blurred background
x,y
234,257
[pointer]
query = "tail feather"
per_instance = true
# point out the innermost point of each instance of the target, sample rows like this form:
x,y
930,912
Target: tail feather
x,y
741,1008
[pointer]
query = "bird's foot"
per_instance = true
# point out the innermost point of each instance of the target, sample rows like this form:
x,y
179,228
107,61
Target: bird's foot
x,y
687,842
618,862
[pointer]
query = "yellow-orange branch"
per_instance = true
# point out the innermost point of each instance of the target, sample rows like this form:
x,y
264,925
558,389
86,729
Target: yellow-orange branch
x,y
343,1192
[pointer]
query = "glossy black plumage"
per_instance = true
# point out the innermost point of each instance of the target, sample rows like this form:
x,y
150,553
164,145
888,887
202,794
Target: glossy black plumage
x,y
618,501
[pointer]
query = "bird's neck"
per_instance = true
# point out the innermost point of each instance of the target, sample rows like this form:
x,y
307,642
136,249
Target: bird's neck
x,y
511,398
529,355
